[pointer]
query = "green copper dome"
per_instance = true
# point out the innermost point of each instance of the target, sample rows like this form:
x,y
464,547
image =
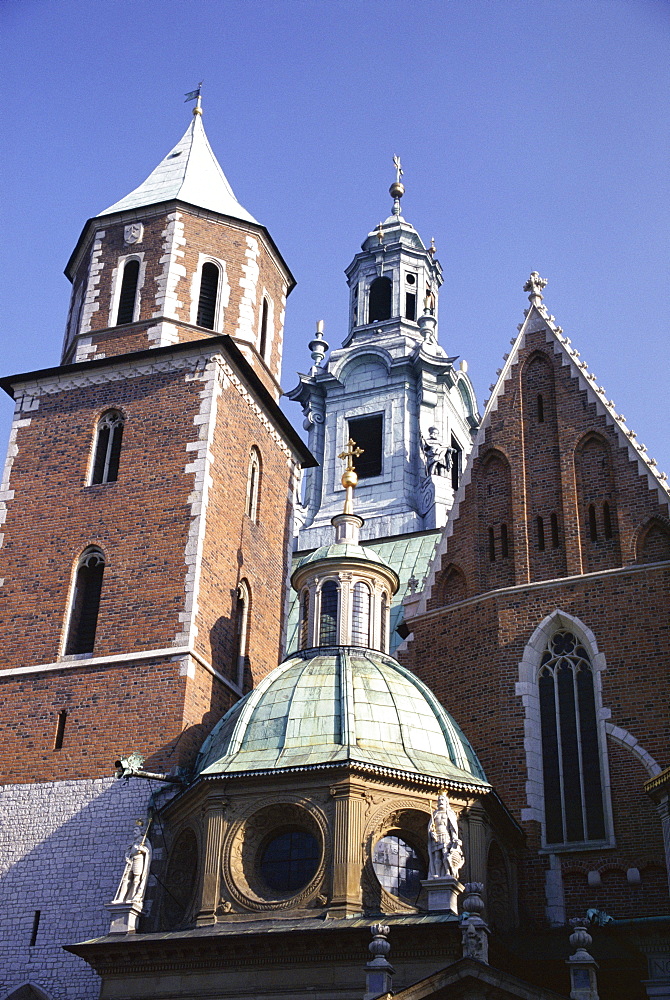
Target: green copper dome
x,y
344,550
332,705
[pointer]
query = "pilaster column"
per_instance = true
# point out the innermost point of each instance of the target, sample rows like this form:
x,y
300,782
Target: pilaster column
x,y
214,826
476,855
346,896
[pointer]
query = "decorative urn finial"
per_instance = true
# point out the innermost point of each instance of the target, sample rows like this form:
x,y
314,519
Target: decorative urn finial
x,y
534,286
318,348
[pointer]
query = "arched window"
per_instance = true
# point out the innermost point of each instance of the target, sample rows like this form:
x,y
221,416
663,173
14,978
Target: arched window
x,y
540,534
492,545
304,619
504,542
242,609
383,627
329,614
209,287
573,796
107,448
593,525
263,338
607,520
253,485
555,540
126,311
85,603
360,615
379,302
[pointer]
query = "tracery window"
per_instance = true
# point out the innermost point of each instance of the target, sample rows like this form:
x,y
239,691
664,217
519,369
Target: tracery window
x,y
360,615
329,614
107,448
573,792
85,602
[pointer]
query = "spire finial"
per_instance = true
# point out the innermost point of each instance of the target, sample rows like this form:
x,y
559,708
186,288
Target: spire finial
x,y
349,477
318,347
194,95
535,285
397,189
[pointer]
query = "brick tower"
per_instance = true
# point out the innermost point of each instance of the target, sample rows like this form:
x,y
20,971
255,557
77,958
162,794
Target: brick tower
x,y
147,509
545,623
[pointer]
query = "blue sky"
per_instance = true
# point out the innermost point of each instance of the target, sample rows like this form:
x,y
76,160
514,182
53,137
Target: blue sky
x,y
533,134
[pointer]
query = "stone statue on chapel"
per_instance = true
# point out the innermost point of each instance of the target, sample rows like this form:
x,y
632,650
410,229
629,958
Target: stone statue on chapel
x,y
445,848
437,456
136,872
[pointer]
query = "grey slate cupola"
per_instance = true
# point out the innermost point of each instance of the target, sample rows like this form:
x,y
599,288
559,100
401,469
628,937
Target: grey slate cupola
x,y
392,388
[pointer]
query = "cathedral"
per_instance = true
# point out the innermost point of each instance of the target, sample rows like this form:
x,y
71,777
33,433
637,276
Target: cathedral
x,y
382,713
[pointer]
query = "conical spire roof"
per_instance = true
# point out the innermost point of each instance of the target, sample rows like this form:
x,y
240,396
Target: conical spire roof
x,y
190,172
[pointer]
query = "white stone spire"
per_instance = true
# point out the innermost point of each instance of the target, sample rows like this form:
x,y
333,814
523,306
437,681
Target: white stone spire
x,y
190,172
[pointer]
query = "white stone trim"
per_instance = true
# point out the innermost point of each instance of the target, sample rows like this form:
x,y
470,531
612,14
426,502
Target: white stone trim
x,y
527,689
222,292
117,281
6,493
248,282
200,466
630,742
167,302
91,304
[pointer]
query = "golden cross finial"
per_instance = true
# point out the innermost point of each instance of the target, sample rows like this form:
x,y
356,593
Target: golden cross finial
x,y
352,452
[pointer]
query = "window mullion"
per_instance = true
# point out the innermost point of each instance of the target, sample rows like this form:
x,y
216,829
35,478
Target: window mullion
x,y
559,743
578,726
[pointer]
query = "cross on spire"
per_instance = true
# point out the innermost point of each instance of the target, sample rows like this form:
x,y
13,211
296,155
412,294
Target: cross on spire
x,y
352,451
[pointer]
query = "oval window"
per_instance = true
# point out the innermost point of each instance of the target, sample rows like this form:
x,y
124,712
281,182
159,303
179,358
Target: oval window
x,y
398,866
290,860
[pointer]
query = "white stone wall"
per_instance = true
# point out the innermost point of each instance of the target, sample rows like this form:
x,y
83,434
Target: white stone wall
x,y
62,847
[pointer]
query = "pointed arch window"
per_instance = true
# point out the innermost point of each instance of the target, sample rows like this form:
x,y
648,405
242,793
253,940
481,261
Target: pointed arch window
x,y
360,615
253,484
573,788
209,288
128,294
329,614
109,434
379,301
85,603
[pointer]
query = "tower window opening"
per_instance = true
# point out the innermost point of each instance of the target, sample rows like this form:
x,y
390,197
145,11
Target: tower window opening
x,y
593,525
329,614
456,463
360,615
540,534
504,542
253,485
607,520
367,432
573,797
126,311
304,620
379,301
60,730
492,545
263,339
555,540
209,287
410,306
85,603
107,448
540,408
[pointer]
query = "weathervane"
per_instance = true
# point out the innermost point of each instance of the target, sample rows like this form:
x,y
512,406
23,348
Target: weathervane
x,y
194,95
349,477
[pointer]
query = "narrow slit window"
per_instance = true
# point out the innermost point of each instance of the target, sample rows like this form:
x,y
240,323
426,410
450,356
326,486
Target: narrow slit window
x,y
126,311
263,339
607,520
329,614
540,408
555,540
367,433
593,525
36,927
242,630
253,485
304,620
85,603
540,534
456,462
360,615
410,306
209,287
60,730
492,545
109,435
504,542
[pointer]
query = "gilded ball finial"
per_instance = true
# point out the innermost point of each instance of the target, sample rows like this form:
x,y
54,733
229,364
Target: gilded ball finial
x,y
349,478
